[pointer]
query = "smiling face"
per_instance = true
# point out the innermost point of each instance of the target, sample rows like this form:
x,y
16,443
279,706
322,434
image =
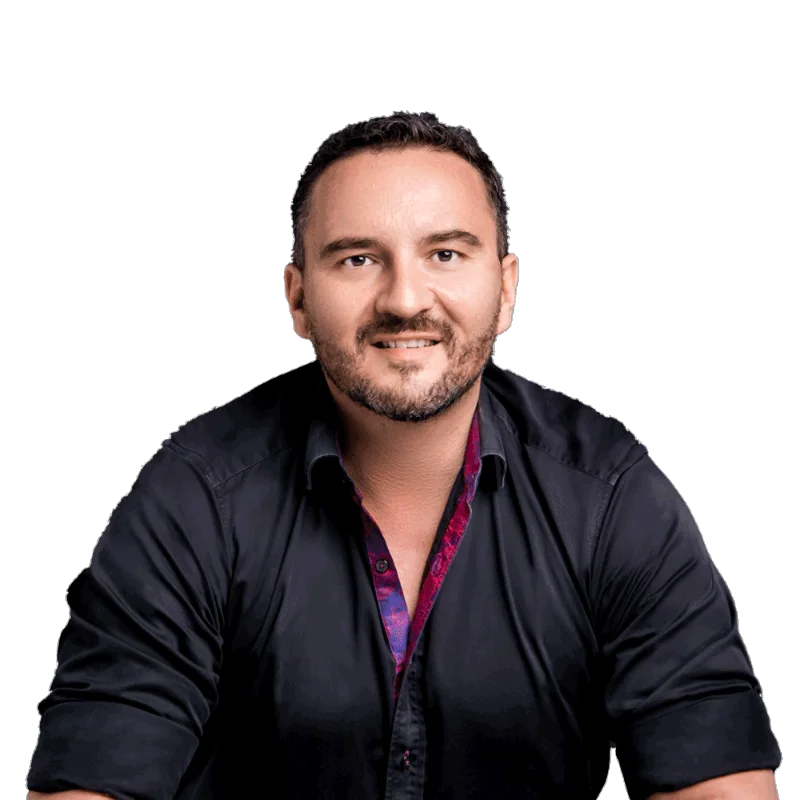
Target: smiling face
x,y
401,245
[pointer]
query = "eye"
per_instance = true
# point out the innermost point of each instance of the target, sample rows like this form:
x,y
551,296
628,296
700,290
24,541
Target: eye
x,y
358,259
449,255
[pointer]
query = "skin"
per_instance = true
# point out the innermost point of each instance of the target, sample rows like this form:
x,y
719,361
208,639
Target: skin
x,y
72,794
757,784
751,785
405,420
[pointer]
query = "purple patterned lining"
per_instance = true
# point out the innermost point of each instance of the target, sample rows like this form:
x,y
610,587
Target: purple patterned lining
x,y
402,635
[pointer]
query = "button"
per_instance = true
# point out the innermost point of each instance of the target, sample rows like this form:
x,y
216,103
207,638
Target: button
x,y
381,565
406,761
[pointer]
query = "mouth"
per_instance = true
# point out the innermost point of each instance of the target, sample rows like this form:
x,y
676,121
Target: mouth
x,y
406,353
408,344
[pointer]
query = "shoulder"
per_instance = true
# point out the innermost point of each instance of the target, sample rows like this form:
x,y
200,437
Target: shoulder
x,y
566,429
266,420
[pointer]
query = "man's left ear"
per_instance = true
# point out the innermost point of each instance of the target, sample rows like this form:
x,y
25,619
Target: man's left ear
x,y
510,278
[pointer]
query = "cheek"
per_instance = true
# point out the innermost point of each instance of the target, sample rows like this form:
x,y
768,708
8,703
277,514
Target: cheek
x,y
336,315
470,304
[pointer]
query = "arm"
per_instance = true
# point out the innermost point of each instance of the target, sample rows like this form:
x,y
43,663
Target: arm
x,y
74,794
682,702
753,785
140,657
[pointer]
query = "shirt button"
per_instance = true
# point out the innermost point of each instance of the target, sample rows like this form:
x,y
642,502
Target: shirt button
x,y
381,565
406,762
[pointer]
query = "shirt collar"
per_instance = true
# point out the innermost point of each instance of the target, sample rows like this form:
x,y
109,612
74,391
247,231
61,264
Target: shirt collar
x,y
325,423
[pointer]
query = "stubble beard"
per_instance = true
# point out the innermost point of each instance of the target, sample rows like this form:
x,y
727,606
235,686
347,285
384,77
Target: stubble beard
x,y
397,397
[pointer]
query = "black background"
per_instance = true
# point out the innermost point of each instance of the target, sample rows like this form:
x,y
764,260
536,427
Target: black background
x,y
167,228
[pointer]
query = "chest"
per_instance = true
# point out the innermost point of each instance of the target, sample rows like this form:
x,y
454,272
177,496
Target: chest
x,y
410,538
410,564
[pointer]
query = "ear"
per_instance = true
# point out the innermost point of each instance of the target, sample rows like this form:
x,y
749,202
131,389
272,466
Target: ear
x,y
295,296
510,278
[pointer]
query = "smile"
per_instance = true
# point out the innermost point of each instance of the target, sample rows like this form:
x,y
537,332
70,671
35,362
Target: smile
x,y
408,344
406,352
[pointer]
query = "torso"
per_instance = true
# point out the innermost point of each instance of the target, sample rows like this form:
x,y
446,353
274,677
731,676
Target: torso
x,y
409,537
410,563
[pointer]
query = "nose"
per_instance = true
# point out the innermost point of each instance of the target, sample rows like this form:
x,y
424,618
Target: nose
x,y
405,289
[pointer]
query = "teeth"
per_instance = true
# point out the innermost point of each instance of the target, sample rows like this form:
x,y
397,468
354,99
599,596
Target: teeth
x,y
409,343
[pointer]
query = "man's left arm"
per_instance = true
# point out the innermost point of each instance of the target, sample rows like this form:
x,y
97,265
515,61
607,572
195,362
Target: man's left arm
x,y
682,703
752,785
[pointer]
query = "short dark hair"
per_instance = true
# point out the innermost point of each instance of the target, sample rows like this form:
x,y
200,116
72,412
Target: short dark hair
x,y
400,130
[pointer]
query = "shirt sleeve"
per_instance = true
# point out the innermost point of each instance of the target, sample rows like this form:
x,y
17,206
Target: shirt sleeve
x,y
681,699
139,659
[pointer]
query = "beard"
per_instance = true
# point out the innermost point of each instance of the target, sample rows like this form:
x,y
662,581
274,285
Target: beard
x,y
466,362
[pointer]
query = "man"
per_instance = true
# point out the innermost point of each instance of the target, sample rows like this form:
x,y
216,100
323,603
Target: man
x,y
401,571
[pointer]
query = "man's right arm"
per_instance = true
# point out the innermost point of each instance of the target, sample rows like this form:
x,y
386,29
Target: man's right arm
x,y
72,794
139,659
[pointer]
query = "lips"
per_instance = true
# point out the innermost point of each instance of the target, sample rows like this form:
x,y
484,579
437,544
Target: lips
x,y
403,340
408,344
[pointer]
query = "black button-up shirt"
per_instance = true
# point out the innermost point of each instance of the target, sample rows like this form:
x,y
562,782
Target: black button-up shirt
x,y
229,639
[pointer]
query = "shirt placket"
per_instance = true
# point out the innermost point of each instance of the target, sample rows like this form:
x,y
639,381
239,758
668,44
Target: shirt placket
x,y
405,778
405,773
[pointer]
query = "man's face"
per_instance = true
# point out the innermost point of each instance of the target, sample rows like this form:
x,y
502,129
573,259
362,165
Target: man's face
x,y
383,263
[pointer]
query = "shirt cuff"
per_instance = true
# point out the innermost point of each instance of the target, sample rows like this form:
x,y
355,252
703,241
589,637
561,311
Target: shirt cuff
x,y
110,748
716,736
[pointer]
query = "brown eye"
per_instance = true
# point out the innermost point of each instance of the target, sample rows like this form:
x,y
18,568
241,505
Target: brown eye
x,y
446,255
359,259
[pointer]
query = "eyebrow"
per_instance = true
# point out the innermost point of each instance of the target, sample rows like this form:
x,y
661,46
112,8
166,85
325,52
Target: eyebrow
x,y
440,237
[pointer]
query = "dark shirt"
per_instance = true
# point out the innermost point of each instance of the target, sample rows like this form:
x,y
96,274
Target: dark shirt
x,y
241,631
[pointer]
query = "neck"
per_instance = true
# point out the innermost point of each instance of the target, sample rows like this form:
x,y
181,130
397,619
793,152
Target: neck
x,y
417,461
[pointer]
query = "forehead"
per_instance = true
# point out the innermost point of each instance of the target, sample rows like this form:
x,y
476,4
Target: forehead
x,y
386,193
